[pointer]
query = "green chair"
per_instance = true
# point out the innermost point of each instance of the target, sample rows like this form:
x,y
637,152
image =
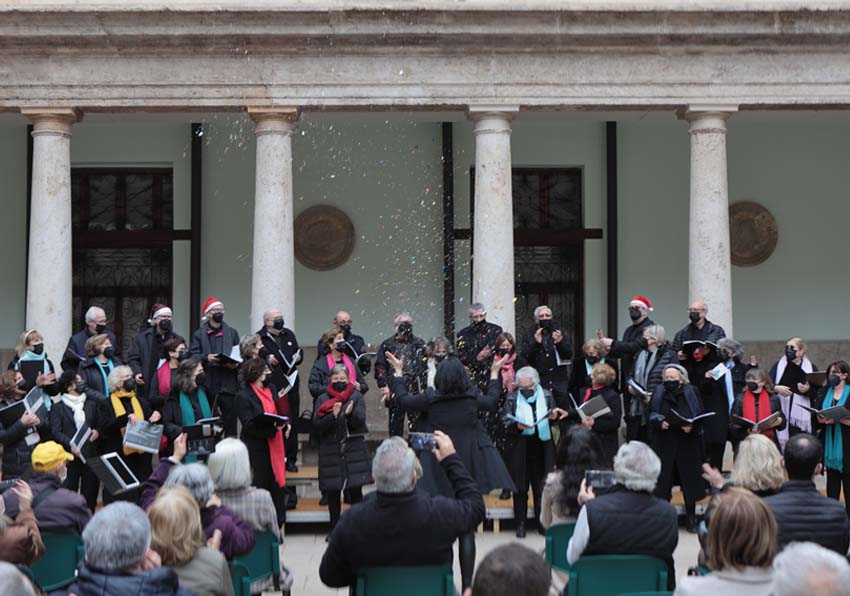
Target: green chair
x,y
610,575
557,539
263,561
58,567
647,594
435,580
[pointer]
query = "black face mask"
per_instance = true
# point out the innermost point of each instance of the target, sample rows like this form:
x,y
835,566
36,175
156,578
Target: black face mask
x,y
263,353
478,324
201,380
165,325
38,349
129,384
339,385
439,357
752,386
634,313
672,386
693,316
183,354
340,346
278,324
503,352
217,317
834,380
545,324
405,329
99,328
591,360
724,355
527,392
790,352
22,384
80,386
346,330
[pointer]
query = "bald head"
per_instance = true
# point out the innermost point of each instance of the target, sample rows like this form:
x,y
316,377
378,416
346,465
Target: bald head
x,y
697,312
343,317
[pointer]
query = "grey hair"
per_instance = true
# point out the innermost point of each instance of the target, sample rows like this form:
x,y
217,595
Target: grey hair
x,y
13,581
657,333
732,346
637,467
476,307
395,467
229,465
339,368
267,314
113,381
528,372
679,369
117,538
402,315
196,477
92,312
246,345
539,309
807,568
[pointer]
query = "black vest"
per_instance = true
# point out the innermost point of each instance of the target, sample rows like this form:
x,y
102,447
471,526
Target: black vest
x,y
626,522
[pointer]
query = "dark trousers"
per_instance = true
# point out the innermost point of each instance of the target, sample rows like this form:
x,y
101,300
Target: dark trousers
x,y
396,422
834,481
535,474
81,479
227,404
261,465
335,502
714,454
291,443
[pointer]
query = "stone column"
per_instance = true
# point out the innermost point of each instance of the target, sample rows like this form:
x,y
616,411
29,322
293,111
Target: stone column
x,y
273,277
493,232
49,266
709,266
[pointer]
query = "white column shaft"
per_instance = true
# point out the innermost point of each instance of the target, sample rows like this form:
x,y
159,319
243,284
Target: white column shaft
x,y
273,277
709,265
493,247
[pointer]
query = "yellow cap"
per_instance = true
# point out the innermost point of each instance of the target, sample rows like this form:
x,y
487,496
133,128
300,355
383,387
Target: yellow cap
x,y
49,456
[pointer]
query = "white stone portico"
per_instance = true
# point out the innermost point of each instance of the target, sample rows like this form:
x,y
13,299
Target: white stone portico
x,y
498,62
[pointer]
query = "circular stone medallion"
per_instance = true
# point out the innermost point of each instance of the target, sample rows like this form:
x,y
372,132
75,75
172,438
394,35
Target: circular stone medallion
x,y
324,237
753,234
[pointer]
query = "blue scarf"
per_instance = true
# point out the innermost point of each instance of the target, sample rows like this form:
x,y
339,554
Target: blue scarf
x,y
833,447
187,413
589,367
109,366
523,412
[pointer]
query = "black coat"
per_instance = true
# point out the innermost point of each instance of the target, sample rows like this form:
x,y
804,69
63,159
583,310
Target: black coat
x,y
90,373
354,347
820,429
17,454
77,342
320,377
627,349
283,347
679,451
739,433
172,414
146,352
344,458
415,366
205,341
111,439
255,436
457,416
63,427
407,529
516,444
804,515
607,426
541,356
470,341
162,581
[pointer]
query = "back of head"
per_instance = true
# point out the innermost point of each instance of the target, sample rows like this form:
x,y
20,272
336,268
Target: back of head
x,y
196,478
395,467
803,453
229,465
116,538
758,466
742,532
13,581
451,377
810,569
512,570
578,451
176,531
636,466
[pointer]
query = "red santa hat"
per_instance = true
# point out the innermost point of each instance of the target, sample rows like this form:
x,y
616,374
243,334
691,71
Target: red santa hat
x,y
210,304
641,301
158,310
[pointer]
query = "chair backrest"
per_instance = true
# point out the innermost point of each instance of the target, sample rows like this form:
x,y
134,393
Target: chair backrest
x,y
557,539
436,580
263,561
647,594
58,567
610,575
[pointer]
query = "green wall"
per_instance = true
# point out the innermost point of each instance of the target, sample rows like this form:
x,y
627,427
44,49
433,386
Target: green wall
x,y
13,223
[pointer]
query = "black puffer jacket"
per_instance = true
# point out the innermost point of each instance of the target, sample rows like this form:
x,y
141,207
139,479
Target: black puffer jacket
x,y
343,454
161,581
17,454
804,515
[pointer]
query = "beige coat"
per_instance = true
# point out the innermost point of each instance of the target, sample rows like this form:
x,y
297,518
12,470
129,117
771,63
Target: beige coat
x,y
207,574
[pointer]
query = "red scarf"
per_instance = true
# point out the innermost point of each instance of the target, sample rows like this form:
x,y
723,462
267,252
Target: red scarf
x,y
589,391
277,453
335,397
756,412
345,360
163,377
508,374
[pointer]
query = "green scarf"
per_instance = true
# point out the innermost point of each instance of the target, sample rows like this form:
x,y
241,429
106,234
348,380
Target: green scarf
x,y
188,413
833,446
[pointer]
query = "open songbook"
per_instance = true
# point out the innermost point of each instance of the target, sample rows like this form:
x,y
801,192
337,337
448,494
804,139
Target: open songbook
x,y
679,420
528,422
592,408
761,425
836,412
639,389
817,379
80,438
234,357
143,436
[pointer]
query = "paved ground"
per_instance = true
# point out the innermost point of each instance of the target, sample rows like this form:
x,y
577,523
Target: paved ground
x,y
303,552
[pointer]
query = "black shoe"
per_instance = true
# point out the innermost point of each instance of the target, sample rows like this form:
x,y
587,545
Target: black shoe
x,y
505,495
691,524
324,501
520,529
291,467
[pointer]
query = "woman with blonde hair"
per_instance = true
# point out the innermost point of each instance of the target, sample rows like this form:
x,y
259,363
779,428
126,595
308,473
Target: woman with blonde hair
x,y
741,544
30,348
758,468
602,382
178,538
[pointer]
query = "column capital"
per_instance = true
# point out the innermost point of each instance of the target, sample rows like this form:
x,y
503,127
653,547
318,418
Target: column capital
x,y
52,120
486,111
707,117
269,119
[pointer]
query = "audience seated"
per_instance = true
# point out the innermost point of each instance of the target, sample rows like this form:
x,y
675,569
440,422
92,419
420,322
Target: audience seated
x,y
802,513
806,568
510,570
758,468
20,540
237,536
119,560
741,544
57,509
627,519
398,526
178,538
14,582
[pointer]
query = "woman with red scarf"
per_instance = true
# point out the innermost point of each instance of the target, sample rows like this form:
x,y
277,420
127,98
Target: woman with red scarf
x,y
344,459
757,403
262,436
607,427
